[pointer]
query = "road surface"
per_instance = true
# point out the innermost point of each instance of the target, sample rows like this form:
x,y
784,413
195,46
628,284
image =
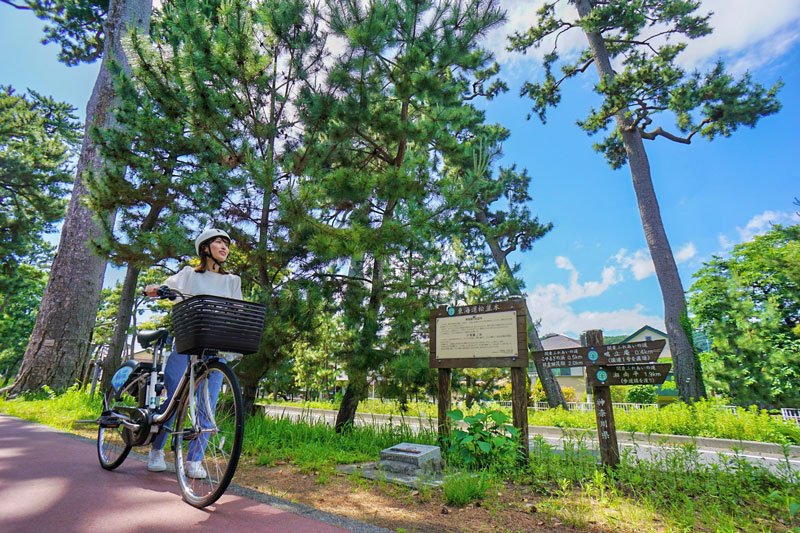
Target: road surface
x,y
52,481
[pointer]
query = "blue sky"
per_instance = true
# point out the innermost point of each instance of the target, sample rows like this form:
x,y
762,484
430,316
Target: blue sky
x,y
593,269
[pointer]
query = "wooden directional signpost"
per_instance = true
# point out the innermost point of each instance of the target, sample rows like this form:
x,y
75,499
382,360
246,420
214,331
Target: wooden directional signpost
x,y
490,335
606,365
612,354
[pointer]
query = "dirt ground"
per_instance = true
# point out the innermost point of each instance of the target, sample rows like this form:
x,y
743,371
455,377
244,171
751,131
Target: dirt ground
x,y
509,509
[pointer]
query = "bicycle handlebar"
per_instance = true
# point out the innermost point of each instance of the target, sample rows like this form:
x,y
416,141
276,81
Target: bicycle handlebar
x,y
167,293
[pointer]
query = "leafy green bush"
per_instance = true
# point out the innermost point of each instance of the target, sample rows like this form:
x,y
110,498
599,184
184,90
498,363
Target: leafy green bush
x,y
641,394
488,441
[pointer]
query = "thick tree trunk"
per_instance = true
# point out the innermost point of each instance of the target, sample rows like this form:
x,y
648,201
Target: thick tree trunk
x,y
686,371
249,394
58,350
355,392
552,389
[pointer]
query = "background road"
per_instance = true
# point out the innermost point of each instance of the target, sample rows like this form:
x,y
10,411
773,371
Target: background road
x,y
646,447
51,481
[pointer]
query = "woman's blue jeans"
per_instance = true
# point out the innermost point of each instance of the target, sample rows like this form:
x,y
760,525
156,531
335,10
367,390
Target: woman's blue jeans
x,y
173,372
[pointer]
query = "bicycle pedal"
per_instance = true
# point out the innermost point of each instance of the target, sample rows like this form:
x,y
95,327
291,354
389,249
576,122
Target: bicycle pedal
x,y
111,422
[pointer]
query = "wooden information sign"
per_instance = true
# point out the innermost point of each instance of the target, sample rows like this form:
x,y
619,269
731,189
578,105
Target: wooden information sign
x,y
648,374
492,335
489,335
610,354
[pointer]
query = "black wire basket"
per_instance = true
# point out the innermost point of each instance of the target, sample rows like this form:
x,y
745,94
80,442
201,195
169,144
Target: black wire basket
x,y
215,323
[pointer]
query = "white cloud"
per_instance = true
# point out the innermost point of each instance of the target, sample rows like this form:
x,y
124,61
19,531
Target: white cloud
x,y
576,291
759,225
556,318
746,35
724,242
520,16
641,264
685,253
551,304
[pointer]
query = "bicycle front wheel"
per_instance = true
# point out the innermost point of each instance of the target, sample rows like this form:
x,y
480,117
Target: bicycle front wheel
x,y
112,445
208,435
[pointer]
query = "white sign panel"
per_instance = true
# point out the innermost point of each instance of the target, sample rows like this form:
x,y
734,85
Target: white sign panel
x,y
477,336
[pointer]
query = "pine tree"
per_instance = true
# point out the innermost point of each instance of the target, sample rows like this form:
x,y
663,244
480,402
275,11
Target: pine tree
x,y
501,230
396,102
646,88
174,183
228,71
37,137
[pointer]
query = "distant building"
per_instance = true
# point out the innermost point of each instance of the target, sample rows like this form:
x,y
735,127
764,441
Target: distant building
x,y
649,333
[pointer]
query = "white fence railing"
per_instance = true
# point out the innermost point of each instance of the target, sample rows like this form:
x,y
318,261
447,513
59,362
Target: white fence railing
x,y
789,414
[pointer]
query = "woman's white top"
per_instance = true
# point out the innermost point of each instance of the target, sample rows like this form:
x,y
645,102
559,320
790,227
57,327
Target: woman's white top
x,y
191,283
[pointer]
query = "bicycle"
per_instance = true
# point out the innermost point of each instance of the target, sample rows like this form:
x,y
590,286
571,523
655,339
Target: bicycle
x,y
207,403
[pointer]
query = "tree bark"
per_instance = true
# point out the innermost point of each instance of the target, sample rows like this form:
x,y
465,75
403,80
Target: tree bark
x,y
687,376
552,389
58,350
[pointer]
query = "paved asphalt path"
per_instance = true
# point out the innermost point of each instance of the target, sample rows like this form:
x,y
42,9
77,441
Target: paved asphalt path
x,y
51,481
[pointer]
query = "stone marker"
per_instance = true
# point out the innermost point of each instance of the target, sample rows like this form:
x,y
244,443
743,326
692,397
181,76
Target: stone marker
x,y
407,458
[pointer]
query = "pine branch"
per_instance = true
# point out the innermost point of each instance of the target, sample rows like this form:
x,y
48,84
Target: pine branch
x,y
16,6
659,131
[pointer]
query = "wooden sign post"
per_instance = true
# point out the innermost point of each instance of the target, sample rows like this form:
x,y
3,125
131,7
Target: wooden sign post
x,y
603,409
606,365
492,335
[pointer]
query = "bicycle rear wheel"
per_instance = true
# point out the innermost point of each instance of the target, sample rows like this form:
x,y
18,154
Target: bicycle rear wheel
x,y
208,443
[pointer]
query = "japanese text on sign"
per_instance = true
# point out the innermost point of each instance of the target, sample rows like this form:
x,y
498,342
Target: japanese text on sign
x,y
476,336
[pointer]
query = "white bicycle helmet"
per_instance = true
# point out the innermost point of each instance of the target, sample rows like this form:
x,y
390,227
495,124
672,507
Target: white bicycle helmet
x,y
207,235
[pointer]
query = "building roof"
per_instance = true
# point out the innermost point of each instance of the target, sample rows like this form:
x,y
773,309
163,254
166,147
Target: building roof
x,y
643,328
555,341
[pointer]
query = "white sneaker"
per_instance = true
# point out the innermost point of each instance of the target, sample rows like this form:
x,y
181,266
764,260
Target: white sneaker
x,y
195,470
155,461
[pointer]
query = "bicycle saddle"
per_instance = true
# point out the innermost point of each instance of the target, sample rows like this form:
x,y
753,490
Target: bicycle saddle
x,y
146,338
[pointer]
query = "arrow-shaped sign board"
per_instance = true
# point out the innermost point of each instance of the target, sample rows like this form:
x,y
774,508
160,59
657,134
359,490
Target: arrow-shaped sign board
x,y
609,354
647,374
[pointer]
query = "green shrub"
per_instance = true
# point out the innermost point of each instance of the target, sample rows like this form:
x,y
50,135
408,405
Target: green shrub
x,y
641,394
537,393
489,441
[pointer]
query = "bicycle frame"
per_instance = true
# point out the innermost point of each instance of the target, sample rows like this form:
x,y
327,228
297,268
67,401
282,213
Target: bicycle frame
x,y
185,385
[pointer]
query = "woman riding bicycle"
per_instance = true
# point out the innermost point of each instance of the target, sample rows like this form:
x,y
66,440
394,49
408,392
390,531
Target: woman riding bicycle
x,y
208,279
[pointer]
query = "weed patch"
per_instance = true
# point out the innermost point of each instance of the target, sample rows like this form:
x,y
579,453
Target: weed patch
x,y
462,488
